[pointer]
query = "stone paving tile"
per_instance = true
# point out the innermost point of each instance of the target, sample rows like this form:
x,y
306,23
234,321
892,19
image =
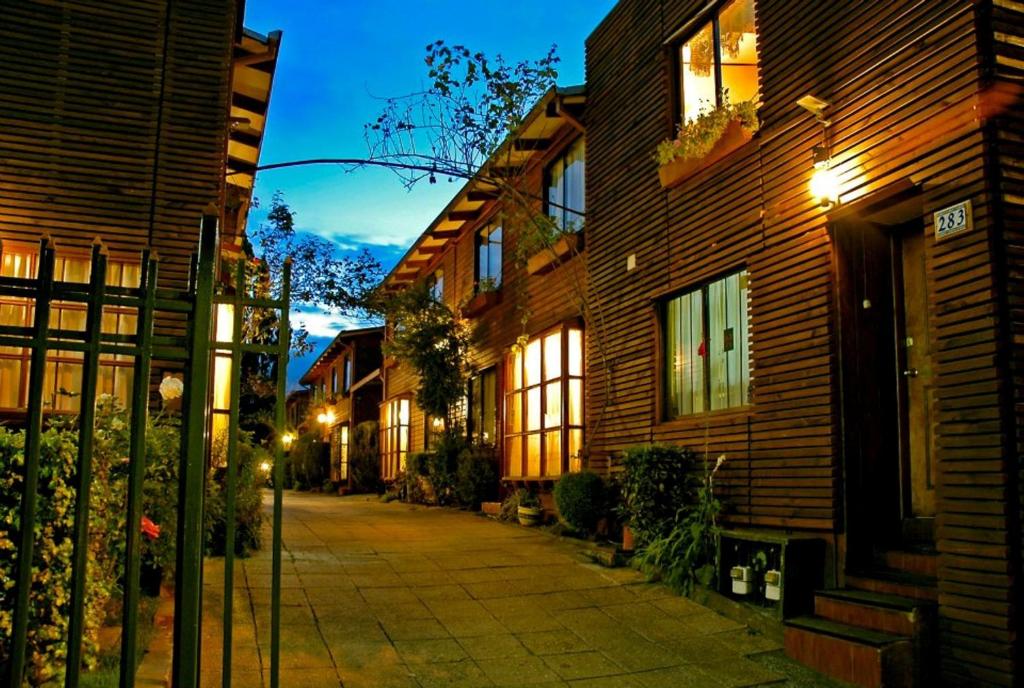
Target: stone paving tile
x,y
392,596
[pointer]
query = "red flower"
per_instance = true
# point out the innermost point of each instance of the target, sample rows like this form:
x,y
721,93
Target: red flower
x,y
150,529
701,350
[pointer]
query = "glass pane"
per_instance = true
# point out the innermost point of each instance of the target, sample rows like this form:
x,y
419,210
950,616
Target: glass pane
x,y
21,265
222,383
517,369
219,437
489,406
130,275
685,367
533,409
403,411
514,455
697,73
553,453
575,353
739,51
75,269
553,405
109,324
556,191
553,356
10,383
225,324
575,402
123,379
730,367
533,363
575,186
514,421
68,386
494,256
105,380
575,444
533,455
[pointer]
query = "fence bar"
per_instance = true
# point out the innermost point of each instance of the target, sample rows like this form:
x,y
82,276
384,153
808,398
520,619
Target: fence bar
x,y
137,474
232,472
83,470
283,343
192,476
33,436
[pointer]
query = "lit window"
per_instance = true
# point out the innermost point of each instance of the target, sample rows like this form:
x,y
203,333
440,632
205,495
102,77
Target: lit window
x,y
347,378
488,258
339,452
719,58
707,356
544,405
566,199
62,384
334,381
483,407
394,437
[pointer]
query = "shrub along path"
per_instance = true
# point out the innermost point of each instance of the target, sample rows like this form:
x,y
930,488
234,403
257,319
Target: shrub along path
x,y
389,595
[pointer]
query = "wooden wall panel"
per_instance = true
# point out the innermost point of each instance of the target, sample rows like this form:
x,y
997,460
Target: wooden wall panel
x,y
903,78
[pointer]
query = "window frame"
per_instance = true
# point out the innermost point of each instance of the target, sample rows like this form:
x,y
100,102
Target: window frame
x,y
564,426
392,456
479,239
471,411
339,438
560,158
662,378
673,48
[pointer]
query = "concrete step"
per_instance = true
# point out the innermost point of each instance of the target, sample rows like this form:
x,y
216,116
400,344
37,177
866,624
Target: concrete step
x,y
874,611
856,655
896,583
918,563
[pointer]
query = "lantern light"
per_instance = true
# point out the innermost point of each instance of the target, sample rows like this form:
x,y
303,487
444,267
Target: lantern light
x,y
287,439
825,186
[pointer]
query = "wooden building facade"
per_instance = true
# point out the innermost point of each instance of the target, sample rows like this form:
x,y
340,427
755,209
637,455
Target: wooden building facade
x,y
126,122
527,404
345,389
858,364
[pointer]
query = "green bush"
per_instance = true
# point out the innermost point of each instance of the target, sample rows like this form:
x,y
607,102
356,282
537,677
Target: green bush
x,y
476,478
442,464
309,469
410,480
657,481
364,458
248,502
581,500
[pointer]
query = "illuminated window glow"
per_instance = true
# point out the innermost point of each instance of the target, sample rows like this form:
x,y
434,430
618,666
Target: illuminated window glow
x,y
544,405
394,437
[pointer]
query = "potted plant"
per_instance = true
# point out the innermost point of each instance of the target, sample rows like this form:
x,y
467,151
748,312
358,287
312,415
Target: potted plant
x,y
487,295
529,512
704,140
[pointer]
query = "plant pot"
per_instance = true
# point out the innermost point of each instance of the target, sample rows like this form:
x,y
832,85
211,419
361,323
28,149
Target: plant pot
x,y
549,257
627,539
530,516
679,170
481,302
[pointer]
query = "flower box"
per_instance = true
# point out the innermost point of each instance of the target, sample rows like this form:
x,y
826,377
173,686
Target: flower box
x,y
549,257
482,301
681,169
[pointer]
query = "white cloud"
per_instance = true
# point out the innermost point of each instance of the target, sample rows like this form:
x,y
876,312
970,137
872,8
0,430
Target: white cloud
x,y
325,324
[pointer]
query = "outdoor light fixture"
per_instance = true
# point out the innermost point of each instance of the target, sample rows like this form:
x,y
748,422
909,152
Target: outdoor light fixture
x,y
824,181
287,439
326,418
265,467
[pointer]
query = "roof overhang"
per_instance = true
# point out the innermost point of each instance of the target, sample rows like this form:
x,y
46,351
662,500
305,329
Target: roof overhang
x,y
338,345
559,107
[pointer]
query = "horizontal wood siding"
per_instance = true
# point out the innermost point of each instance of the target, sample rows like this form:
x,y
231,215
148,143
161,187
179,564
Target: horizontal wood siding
x,y
903,79
113,124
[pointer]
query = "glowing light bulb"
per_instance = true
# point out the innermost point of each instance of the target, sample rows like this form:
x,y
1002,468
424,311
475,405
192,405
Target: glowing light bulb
x,y
825,186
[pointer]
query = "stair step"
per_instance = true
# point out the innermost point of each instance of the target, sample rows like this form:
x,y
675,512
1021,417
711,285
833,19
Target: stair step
x,y
856,655
897,583
921,563
873,611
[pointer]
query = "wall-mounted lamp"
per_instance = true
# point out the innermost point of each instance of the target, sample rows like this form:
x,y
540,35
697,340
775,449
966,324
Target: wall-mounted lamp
x,y
326,418
286,440
437,424
824,181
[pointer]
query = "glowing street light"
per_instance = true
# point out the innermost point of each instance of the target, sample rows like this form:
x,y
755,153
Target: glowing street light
x,y
286,440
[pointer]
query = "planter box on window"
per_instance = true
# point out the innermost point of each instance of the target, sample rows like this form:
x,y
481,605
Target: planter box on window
x,y
681,169
481,302
548,258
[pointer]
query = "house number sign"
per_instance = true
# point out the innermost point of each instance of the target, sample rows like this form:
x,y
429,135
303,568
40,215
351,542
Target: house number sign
x,y
953,220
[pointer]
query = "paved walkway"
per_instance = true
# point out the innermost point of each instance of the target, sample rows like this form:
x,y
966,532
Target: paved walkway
x,y
389,595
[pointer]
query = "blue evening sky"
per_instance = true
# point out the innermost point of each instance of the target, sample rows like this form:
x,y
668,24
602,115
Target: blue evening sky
x,y
338,59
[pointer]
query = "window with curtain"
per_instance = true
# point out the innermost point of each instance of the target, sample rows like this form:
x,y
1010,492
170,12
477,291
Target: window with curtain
x,y
707,354
544,405
347,379
394,437
719,59
437,285
483,412
334,380
63,375
566,194
488,258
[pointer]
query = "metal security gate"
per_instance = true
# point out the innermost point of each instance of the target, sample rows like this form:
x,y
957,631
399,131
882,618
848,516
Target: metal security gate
x,y
194,352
